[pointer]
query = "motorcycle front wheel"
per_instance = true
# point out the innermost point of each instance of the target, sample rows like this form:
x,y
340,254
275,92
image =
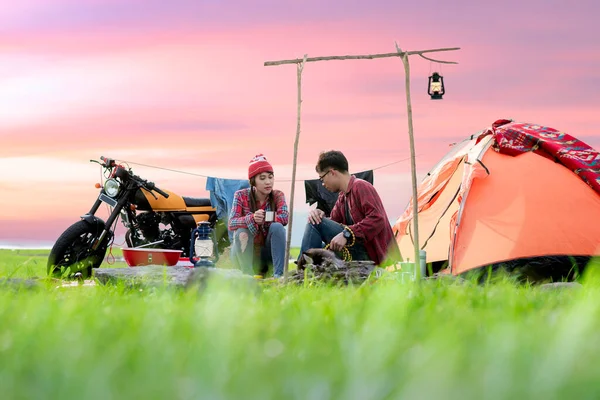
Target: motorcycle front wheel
x,y
72,251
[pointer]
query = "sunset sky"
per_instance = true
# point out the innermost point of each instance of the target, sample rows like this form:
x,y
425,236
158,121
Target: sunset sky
x,y
181,85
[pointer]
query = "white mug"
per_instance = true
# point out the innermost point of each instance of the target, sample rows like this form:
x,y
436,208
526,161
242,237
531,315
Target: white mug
x,y
269,216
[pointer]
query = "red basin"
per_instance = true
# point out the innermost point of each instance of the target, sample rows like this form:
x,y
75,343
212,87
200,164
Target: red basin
x,y
139,257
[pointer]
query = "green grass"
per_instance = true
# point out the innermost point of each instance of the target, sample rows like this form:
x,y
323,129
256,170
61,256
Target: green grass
x,y
386,340
32,263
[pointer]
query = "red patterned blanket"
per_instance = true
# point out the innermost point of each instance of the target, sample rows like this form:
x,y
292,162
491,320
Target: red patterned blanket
x,y
514,138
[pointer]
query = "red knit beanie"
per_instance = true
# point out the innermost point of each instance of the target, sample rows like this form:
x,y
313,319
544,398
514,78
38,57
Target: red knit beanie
x,y
259,164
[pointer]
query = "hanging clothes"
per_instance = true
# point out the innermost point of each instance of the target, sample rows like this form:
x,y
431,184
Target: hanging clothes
x,y
316,192
221,195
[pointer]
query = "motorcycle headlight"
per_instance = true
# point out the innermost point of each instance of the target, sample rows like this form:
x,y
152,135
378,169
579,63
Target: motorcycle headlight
x,y
111,187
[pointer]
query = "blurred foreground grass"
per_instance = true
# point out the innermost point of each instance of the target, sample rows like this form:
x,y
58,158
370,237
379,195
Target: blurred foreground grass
x,y
436,340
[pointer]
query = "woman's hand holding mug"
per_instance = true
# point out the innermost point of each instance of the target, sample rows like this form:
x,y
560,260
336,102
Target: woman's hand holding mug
x,y
259,216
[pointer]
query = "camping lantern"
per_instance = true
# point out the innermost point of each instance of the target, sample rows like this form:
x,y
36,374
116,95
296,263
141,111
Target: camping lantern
x,y
436,86
203,246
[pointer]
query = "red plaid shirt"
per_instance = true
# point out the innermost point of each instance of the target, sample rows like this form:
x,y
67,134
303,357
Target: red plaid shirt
x,y
241,216
370,219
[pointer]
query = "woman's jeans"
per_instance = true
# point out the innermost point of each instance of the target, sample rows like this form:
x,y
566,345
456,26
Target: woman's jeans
x,y
315,235
272,252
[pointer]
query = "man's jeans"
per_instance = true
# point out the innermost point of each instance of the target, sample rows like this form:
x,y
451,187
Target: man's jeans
x,y
272,252
315,235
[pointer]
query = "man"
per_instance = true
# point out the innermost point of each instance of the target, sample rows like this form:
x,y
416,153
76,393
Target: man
x,y
358,220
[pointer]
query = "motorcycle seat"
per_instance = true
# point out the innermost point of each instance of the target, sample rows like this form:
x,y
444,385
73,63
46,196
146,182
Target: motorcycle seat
x,y
196,202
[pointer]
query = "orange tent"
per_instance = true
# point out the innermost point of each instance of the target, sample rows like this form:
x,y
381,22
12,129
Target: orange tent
x,y
514,194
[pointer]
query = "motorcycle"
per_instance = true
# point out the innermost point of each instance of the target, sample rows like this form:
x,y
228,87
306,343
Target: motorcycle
x,y
133,200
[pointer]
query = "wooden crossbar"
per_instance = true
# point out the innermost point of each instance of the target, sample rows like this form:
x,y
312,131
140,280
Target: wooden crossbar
x,y
362,57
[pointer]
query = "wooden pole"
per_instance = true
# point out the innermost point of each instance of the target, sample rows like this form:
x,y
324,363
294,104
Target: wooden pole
x,y
299,68
363,57
413,166
404,56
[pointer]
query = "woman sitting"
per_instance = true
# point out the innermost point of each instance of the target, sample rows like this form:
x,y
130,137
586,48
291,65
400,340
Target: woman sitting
x,y
258,216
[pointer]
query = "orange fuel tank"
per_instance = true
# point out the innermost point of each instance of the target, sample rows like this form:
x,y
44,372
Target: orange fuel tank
x,y
199,209
173,203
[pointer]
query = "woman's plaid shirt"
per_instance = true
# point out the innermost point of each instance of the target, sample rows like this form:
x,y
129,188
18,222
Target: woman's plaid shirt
x,y
241,216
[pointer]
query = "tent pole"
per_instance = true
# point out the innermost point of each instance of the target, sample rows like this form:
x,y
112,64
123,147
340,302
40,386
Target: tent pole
x,y
300,67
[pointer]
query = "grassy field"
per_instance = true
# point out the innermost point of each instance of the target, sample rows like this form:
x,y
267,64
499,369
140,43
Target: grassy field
x,y
32,263
385,340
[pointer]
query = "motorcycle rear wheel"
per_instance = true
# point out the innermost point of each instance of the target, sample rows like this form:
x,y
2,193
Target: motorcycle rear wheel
x,y
71,253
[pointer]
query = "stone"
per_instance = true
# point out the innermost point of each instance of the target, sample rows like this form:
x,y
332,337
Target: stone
x,y
233,278
177,276
324,266
561,285
20,283
149,275
318,257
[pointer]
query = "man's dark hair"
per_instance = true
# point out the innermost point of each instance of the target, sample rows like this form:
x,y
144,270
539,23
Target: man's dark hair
x,y
332,159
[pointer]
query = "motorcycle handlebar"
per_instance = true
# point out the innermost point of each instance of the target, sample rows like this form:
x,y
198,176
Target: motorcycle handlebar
x,y
163,194
152,186
109,162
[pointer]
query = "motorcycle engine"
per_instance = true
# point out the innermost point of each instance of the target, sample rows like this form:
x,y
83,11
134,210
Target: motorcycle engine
x,y
148,223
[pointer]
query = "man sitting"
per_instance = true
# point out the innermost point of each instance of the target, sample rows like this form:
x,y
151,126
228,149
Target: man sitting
x,y
358,220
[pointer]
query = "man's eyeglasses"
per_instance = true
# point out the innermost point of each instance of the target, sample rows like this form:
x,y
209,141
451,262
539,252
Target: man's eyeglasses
x,y
324,175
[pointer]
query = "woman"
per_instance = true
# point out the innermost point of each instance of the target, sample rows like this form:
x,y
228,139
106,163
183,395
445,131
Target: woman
x,y
257,217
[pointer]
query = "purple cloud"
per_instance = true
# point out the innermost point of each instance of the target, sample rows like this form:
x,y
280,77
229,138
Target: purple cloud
x,y
481,22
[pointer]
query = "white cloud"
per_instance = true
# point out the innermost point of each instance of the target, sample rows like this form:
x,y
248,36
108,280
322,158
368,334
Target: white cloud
x,y
33,170
54,88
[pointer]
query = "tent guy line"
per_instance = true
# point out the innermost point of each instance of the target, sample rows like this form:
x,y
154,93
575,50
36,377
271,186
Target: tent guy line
x,y
280,180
